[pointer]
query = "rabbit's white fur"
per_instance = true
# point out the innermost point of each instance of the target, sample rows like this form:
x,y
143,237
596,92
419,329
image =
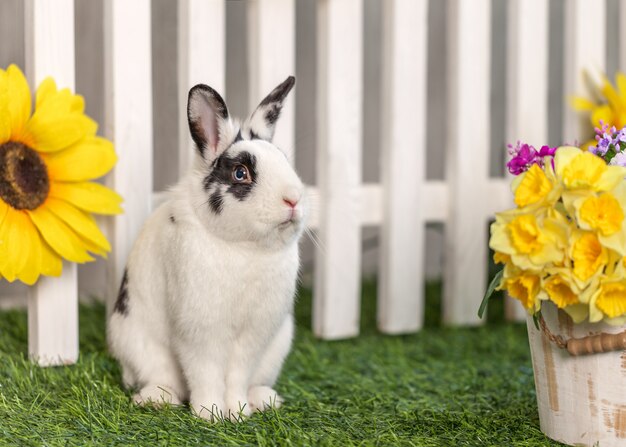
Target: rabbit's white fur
x,y
206,313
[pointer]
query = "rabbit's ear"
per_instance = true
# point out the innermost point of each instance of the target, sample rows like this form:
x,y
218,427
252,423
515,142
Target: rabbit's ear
x,y
208,120
262,122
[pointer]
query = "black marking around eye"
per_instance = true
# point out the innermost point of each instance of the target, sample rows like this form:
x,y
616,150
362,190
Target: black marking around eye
x,y
172,218
121,305
216,202
222,174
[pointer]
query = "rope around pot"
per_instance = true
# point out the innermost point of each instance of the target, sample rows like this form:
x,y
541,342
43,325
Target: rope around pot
x,y
591,344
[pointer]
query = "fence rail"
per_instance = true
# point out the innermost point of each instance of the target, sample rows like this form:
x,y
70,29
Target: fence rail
x,y
401,204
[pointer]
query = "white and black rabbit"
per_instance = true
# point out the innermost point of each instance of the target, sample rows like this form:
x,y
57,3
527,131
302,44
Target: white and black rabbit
x,y
205,309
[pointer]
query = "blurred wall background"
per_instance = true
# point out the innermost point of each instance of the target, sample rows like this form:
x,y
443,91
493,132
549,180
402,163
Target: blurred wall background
x,y
90,83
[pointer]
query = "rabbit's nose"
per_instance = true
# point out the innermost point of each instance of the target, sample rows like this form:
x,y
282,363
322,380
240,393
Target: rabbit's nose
x,y
291,202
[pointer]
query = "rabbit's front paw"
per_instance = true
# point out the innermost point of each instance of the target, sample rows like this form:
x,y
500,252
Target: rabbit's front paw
x,y
156,395
238,409
210,409
263,397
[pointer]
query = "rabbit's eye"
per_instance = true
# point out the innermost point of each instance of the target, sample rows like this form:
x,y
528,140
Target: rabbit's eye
x,y
240,174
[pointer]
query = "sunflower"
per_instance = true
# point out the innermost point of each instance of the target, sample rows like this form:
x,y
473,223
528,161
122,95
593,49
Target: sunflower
x,y
610,108
46,161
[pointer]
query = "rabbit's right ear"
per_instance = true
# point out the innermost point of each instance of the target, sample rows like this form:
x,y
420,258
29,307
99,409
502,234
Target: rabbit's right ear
x,y
208,120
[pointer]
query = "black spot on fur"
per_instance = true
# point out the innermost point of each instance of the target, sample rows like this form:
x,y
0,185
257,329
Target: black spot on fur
x,y
216,202
272,114
172,219
121,305
222,174
279,93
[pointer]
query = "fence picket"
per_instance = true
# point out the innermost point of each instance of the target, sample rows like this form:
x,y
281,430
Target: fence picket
x,y
401,268
271,58
527,113
585,55
465,273
336,302
52,302
201,60
128,112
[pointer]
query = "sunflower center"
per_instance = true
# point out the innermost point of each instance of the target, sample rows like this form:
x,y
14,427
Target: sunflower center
x,y
24,182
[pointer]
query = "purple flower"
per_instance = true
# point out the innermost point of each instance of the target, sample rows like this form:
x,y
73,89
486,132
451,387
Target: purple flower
x,y
547,151
604,143
524,156
619,159
611,142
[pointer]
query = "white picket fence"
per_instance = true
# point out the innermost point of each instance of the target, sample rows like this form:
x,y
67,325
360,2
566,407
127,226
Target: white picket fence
x,y
404,201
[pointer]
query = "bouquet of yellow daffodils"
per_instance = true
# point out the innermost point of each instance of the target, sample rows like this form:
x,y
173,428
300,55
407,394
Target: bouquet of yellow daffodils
x,y
565,241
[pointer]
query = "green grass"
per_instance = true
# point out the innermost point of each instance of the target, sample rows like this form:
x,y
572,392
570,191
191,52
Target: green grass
x,y
441,387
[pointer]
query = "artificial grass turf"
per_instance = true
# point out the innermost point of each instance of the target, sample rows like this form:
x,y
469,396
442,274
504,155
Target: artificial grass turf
x,y
440,387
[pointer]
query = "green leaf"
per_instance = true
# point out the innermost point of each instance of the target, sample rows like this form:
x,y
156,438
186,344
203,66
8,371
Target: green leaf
x,y
536,317
495,282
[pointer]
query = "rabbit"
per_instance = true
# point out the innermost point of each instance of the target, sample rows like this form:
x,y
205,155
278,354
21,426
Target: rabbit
x,y
205,309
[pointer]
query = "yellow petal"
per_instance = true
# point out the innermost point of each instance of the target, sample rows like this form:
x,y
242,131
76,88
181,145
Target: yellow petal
x,y
18,247
88,159
563,157
77,104
59,236
18,99
4,208
604,114
620,81
46,90
581,104
578,312
94,249
88,196
31,250
611,95
58,102
53,131
83,224
51,263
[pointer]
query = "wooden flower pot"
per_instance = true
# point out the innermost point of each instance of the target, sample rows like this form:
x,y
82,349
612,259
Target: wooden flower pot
x,y
581,398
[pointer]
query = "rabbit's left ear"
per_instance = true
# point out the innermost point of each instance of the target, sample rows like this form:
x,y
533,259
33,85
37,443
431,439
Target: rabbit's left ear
x,y
262,122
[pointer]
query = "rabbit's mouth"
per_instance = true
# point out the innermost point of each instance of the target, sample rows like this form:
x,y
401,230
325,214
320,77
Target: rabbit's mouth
x,y
287,223
294,220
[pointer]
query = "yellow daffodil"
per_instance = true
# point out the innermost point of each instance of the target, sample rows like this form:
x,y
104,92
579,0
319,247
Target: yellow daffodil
x,y
609,301
560,288
535,187
604,214
501,258
46,161
589,256
532,242
612,111
580,170
522,285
